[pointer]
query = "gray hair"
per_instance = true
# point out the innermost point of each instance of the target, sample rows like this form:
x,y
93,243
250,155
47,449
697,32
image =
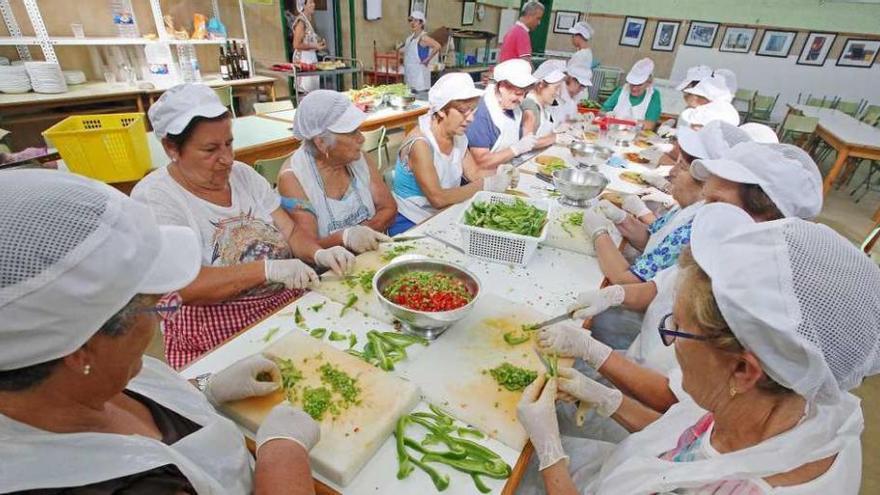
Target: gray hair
x,y
531,7
326,137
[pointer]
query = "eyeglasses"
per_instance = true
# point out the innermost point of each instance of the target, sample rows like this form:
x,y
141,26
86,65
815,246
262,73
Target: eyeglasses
x,y
669,331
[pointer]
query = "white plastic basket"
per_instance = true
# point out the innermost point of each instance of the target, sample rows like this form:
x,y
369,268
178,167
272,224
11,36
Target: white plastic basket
x,y
503,247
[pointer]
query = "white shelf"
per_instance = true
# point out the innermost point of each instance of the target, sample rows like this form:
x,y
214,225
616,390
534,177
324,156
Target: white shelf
x,y
106,41
98,41
18,41
205,42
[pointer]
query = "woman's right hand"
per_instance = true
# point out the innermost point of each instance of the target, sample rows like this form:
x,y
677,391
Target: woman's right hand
x,y
286,422
568,340
336,258
294,274
361,238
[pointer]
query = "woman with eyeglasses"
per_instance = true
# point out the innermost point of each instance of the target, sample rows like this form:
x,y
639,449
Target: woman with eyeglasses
x,y
82,410
418,51
773,323
434,157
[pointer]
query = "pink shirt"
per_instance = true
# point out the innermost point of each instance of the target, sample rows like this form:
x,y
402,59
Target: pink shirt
x,y
516,43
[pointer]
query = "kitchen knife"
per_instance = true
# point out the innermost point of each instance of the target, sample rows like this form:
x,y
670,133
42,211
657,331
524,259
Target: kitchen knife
x,y
404,238
445,242
551,321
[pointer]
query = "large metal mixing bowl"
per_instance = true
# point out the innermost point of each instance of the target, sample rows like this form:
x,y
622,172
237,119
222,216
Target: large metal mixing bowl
x,y
622,133
579,185
401,102
423,323
588,154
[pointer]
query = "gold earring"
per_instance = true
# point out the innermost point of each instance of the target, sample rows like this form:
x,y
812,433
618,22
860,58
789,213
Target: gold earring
x,y
87,369
733,392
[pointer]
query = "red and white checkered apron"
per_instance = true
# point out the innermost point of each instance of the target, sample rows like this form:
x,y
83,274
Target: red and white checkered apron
x,y
196,329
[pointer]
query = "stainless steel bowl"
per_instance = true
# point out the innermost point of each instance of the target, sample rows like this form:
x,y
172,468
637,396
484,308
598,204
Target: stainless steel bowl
x,y
423,323
590,154
622,133
579,185
401,102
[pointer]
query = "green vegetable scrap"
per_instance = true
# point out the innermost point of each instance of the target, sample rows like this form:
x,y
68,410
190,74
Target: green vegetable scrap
x,y
511,377
341,383
362,279
397,250
271,333
298,318
518,217
318,333
352,300
352,340
337,336
516,338
531,327
586,102
571,221
317,401
290,376
460,454
318,307
384,349
552,365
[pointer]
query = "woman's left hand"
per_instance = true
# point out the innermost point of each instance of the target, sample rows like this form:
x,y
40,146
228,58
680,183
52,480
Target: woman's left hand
x,y
360,238
537,413
336,258
241,380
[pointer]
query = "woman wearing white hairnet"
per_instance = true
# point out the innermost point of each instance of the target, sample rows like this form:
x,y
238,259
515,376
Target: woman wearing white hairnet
x,y
81,409
708,100
577,79
434,157
537,108
636,99
331,190
768,353
248,242
306,43
418,51
582,33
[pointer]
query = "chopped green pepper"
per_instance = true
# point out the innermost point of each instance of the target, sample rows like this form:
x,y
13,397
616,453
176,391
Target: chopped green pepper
x,y
516,338
318,307
316,401
298,318
318,333
511,377
271,333
362,279
336,336
352,299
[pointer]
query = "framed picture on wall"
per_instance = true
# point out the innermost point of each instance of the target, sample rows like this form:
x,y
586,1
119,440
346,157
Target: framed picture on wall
x,y
633,30
702,34
816,49
859,53
565,20
468,10
418,6
776,43
665,36
737,39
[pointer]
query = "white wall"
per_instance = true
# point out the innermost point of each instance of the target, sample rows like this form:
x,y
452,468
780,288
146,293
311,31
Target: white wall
x,y
771,75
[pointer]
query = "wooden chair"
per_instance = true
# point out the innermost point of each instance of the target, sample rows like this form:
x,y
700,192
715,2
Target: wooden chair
x,y
798,128
270,167
762,109
272,106
871,115
386,67
225,95
745,98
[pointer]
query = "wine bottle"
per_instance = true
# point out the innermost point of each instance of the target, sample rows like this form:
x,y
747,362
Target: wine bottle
x,y
243,62
231,62
224,67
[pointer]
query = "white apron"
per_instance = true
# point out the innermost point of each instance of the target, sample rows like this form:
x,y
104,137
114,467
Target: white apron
x,y
647,349
634,467
545,124
583,58
509,127
624,109
567,107
448,167
416,75
355,206
308,83
214,459
682,217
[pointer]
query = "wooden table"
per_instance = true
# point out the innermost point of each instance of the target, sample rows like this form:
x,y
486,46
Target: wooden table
x,y
845,134
239,86
387,117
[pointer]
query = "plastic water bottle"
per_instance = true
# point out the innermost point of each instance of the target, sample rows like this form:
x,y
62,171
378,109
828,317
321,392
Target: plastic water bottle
x,y
123,19
189,64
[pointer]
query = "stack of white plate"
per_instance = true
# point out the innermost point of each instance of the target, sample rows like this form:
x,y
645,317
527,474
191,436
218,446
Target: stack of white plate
x,y
14,79
74,76
4,61
46,77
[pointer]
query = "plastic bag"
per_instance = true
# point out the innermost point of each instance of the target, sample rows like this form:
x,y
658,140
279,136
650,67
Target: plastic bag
x,y
199,32
216,29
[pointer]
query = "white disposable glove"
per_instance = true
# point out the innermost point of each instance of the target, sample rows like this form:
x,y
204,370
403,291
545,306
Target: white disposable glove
x,y
239,380
660,197
336,258
569,340
361,238
502,179
562,127
594,222
607,400
593,302
285,422
656,180
611,211
294,274
564,139
524,145
537,414
632,204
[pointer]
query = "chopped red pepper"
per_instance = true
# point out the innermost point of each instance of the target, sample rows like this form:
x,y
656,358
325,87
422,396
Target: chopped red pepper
x,y
428,291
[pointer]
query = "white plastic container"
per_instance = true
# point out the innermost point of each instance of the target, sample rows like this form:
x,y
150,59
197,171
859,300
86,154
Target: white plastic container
x,y
502,247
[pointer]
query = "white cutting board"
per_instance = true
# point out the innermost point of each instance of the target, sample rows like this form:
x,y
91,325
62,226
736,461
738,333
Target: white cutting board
x,y
451,374
351,439
575,239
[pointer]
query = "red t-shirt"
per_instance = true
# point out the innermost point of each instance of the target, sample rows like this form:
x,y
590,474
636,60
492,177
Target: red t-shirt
x,y
516,43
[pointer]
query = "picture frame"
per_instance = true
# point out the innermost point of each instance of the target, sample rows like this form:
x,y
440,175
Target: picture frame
x,y
816,49
633,31
702,34
418,6
565,20
776,43
468,12
737,39
665,36
859,53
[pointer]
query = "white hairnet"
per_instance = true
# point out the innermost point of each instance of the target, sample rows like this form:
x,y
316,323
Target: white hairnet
x,y
300,5
760,133
73,252
795,293
729,80
324,110
712,141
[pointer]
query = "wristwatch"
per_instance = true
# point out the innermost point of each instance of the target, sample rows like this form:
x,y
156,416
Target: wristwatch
x,y
598,232
202,381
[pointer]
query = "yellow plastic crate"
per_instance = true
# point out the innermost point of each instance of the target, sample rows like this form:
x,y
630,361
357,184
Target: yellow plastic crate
x,y
109,148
